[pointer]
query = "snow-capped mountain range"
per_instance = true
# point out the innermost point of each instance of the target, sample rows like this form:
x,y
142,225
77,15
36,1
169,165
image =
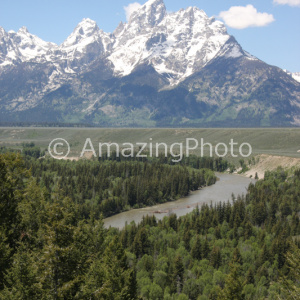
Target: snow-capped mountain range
x,y
173,48
178,44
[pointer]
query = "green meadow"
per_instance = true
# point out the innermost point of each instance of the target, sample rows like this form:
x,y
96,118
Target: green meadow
x,y
274,141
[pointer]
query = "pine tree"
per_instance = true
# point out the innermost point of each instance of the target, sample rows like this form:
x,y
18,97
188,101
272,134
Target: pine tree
x,y
12,174
22,278
248,231
59,261
290,283
141,243
233,289
250,276
119,280
177,276
196,251
173,221
205,248
218,233
5,257
264,256
215,257
237,257
186,237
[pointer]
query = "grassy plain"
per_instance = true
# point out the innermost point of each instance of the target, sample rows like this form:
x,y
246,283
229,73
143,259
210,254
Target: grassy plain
x,y
270,141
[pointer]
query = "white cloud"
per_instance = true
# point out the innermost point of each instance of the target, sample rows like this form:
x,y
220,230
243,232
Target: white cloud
x,y
131,8
240,17
288,2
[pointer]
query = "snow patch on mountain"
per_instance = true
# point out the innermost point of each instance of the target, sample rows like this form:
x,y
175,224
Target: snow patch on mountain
x,y
235,52
295,75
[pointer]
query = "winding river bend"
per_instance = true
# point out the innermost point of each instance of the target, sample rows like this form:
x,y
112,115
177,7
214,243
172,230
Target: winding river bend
x,y
219,192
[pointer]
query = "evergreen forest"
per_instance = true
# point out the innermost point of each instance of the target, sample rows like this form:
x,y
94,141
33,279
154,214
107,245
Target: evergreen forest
x,y
54,244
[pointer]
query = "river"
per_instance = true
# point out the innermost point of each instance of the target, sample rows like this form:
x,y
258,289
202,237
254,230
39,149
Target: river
x,y
219,192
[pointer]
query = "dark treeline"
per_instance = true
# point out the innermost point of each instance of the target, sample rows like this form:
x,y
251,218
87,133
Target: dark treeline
x,y
44,124
49,250
217,164
26,149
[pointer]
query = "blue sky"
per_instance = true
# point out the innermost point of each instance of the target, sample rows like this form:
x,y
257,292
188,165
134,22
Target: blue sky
x,y
275,40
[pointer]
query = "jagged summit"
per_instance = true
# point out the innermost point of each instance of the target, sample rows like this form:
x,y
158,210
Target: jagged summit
x,y
85,29
154,5
88,22
149,14
23,29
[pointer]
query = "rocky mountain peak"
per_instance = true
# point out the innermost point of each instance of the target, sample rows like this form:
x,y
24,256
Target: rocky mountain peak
x,y
155,5
85,29
2,31
175,44
119,29
195,11
23,29
149,14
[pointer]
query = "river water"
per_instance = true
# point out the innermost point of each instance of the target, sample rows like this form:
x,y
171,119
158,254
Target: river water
x,y
219,192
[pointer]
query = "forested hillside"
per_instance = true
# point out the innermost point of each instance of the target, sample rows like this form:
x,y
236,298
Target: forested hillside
x,y
54,246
